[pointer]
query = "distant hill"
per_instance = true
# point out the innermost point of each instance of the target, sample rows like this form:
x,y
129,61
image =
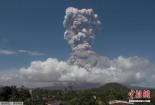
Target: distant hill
x,y
113,91
108,86
115,86
72,86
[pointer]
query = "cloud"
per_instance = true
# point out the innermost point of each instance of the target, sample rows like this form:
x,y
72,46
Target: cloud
x,y
14,52
7,52
132,71
33,53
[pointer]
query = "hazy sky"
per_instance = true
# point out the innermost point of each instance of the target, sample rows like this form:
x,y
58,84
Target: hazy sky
x,y
33,30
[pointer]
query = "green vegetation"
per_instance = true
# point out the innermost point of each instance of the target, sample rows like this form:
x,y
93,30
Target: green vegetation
x,y
96,96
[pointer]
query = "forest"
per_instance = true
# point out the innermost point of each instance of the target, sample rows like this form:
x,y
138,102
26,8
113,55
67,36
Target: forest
x,y
70,96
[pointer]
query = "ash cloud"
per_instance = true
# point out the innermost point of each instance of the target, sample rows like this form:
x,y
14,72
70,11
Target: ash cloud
x,y
84,65
81,27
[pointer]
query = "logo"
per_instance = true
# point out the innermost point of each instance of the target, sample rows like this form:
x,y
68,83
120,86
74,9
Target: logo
x,y
11,103
139,95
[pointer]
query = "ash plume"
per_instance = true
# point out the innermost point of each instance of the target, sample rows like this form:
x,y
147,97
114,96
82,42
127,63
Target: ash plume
x,y
81,27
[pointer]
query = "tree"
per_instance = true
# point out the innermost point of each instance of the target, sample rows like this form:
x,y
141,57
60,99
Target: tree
x,y
5,93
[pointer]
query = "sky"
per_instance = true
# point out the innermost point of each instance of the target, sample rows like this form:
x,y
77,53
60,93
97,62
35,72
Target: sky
x,y
32,30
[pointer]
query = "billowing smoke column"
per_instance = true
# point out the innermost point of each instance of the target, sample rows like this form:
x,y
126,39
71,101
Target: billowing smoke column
x,y
81,27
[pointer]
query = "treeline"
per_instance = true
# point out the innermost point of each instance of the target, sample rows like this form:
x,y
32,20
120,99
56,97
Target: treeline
x,y
11,93
69,96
